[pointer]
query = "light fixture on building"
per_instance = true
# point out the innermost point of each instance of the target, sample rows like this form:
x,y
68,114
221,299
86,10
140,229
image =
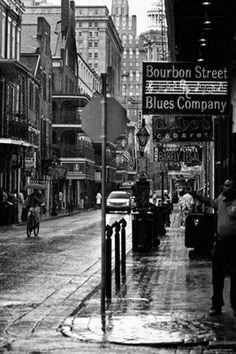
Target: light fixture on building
x,y
143,137
203,42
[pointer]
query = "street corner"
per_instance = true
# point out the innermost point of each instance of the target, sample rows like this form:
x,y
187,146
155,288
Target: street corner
x,y
155,330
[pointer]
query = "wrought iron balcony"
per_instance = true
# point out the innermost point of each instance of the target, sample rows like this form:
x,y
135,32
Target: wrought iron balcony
x,y
80,151
15,130
66,118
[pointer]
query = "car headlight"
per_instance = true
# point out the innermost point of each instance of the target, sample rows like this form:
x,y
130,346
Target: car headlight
x,y
108,202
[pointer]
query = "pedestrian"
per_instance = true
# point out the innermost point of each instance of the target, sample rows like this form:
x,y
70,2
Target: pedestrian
x,y
98,200
60,201
14,200
86,200
224,260
187,203
82,200
180,207
20,205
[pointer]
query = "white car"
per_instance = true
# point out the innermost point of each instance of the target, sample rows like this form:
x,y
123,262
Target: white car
x,y
119,201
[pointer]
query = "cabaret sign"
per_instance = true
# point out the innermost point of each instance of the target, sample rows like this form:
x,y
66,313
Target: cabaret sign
x,y
182,128
185,88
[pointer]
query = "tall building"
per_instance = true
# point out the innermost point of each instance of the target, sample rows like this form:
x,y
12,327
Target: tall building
x,y
99,44
151,45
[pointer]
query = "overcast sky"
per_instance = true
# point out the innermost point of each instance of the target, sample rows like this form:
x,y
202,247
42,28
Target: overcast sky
x,y
136,7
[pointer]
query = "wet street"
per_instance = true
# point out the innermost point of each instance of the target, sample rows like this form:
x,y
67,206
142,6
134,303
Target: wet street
x,y
50,301
165,301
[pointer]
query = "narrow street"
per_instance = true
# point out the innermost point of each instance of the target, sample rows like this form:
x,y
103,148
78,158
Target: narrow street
x,y
50,299
49,275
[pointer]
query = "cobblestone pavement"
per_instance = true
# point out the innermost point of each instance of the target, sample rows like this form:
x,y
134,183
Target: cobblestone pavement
x,y
162,308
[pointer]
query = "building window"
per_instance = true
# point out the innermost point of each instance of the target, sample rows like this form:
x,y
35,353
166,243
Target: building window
x,y
80,24
18,44
96,55
80,44
96,24
90,55
44,86
3,33
90,34
96,34
50,88
9,38
13,41
95,44
90,24
80,34
130,23
31,98
90,44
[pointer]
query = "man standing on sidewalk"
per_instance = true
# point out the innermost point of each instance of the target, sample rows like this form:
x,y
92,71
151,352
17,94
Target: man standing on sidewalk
x,y
224,260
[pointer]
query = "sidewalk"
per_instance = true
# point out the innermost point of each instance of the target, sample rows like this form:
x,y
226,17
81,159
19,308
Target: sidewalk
x,y
164,303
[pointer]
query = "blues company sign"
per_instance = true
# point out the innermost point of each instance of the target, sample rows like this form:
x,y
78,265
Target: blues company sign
x,y
185,88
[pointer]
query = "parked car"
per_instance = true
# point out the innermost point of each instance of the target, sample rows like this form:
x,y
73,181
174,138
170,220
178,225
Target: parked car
x,y
119,201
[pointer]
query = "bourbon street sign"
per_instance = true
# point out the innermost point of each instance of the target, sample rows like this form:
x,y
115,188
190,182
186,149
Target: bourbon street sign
x,y
185,88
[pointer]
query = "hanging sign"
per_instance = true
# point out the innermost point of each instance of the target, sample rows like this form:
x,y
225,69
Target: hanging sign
x,y
185,88
182,128
190,155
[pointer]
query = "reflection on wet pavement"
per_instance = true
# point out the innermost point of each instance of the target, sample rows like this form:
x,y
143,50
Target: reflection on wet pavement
x,y
166,299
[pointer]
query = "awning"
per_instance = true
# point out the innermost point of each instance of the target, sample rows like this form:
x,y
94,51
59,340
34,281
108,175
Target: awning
x,y
9,141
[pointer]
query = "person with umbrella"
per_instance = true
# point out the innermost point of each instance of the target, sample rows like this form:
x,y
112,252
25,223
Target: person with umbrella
x,y
35,200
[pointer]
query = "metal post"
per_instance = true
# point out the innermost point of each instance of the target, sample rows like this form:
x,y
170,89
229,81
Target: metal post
x,y
117,255
103,189
108,262
123,249
162,186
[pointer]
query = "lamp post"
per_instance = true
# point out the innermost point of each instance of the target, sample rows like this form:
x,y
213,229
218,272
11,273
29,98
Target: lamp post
x,y
142,137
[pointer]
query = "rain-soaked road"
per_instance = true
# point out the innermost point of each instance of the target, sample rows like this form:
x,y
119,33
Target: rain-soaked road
x,y
45,285
66,247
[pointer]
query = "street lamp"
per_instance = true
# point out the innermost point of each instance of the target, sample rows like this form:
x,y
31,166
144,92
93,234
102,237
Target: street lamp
x,y
143,137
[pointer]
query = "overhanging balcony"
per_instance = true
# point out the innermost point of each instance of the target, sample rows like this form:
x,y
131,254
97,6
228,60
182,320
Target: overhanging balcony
x,y
74,151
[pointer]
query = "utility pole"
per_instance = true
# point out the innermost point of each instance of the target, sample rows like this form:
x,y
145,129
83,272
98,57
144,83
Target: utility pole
x,y
103,190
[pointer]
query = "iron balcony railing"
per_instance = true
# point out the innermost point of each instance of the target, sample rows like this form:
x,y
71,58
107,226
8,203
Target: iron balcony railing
x,y
15,130
80,151
66,118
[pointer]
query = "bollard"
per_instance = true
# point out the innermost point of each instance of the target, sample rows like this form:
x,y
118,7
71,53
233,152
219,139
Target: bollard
x,y
123,249
108,284
117,255
120,265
